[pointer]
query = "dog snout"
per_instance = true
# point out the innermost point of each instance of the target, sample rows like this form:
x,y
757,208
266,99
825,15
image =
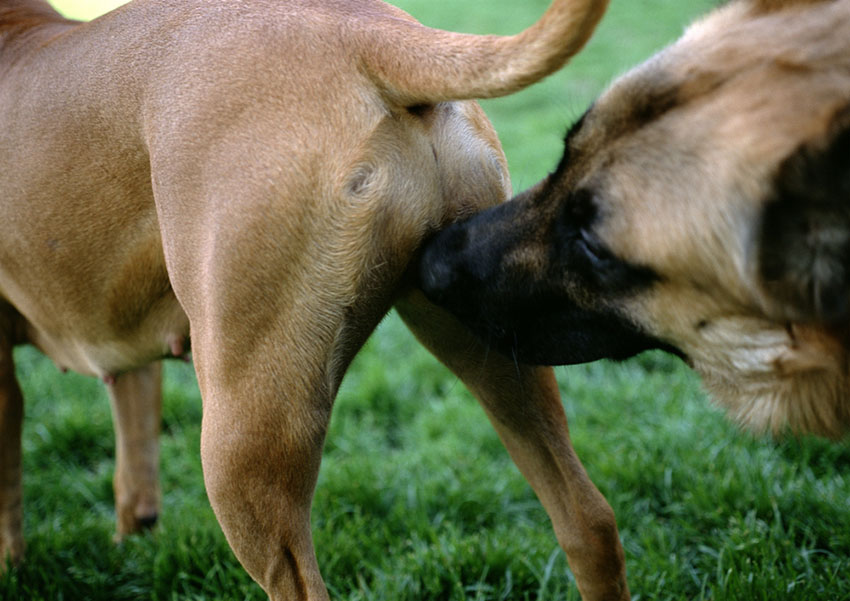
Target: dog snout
x,y
442,263
468,265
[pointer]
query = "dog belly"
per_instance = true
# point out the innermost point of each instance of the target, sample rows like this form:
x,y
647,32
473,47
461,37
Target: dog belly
x,y
163,333
97,313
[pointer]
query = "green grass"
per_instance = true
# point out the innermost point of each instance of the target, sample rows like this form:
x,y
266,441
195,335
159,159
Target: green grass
x,y
417,500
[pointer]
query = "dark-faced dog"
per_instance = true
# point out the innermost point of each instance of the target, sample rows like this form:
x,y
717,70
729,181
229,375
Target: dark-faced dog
x,y
259,176
702,206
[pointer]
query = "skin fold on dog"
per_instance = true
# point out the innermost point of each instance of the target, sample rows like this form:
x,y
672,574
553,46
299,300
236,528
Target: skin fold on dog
x,y
259,176
702,206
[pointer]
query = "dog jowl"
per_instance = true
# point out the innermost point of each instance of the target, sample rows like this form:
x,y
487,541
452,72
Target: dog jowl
x,y
257,177
702,206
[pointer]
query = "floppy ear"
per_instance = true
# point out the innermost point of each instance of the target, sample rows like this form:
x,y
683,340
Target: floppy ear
x,y
804,250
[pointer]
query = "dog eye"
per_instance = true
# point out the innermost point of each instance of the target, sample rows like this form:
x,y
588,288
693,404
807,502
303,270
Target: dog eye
x,y
591,248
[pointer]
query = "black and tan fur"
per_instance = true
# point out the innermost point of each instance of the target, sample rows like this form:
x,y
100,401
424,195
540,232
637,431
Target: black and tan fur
x,y
702,206
258,175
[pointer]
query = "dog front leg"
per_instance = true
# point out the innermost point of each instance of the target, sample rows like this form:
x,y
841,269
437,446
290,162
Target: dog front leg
x,y
136,399
524,406
11,420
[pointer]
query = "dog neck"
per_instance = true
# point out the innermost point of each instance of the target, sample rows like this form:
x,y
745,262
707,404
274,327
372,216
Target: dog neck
x,y
22,20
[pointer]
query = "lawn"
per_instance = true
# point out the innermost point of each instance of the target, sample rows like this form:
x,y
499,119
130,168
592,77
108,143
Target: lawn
x,y
417,499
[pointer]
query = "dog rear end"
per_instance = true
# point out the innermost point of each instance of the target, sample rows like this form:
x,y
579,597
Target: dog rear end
x,y
260,175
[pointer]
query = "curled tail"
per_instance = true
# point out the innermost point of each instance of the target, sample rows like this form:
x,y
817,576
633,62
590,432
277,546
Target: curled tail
x,y
415,64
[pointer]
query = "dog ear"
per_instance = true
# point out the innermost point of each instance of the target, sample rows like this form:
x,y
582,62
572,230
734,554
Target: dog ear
x,y
804,251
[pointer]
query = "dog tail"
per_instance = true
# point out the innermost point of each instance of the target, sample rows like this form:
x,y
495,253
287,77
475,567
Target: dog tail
x,y
418,65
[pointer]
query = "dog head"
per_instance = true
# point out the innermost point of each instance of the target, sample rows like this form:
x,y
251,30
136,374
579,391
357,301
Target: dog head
x,y
702,206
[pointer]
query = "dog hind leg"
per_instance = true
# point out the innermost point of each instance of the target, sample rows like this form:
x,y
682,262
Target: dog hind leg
x,y
11,420
524,406
261,444
136,399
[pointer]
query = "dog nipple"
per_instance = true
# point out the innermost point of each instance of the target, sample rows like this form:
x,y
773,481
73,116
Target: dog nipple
x,y
177,346
175,343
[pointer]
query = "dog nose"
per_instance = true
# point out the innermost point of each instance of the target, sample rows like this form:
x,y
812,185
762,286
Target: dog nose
x,y
439,264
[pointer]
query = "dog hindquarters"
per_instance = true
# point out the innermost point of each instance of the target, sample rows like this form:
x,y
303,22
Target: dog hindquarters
x,y
260,471
262,344
11,420
136,399
524,406
263,429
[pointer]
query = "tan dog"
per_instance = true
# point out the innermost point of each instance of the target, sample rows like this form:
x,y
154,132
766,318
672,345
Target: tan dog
x,y
259,175
703,206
